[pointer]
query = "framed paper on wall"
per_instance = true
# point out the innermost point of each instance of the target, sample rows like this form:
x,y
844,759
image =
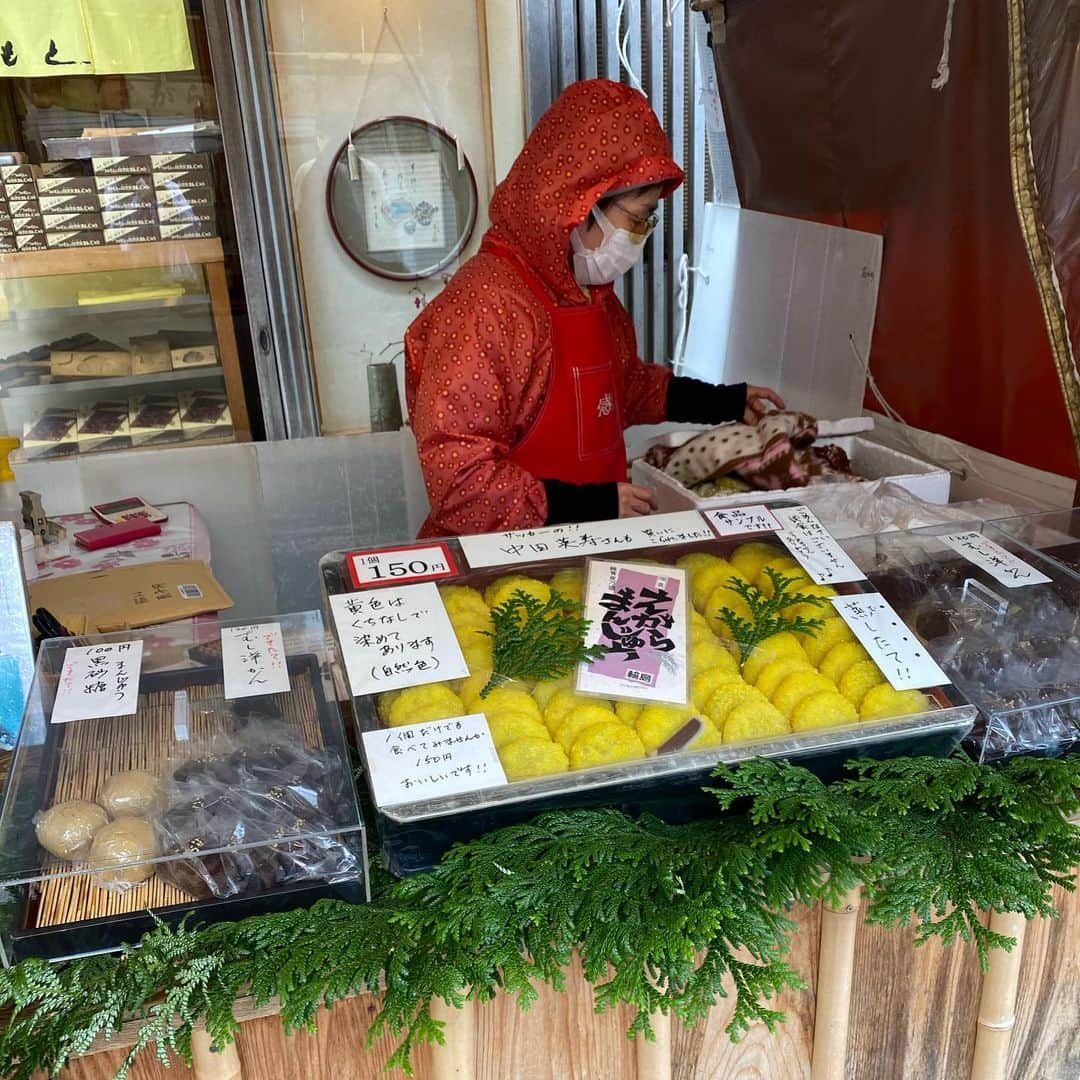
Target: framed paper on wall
x,y
399,201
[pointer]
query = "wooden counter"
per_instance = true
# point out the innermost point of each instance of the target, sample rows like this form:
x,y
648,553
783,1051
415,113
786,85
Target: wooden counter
x,y
914,1015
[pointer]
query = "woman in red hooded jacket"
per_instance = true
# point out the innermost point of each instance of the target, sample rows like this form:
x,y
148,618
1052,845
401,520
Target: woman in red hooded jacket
x,y
522,375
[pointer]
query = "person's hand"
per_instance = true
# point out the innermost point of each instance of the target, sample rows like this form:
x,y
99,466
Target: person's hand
x,y
758,400
635,501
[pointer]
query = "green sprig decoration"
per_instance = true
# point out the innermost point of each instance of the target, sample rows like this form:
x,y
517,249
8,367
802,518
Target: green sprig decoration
x,y
767,613
536,639
665,918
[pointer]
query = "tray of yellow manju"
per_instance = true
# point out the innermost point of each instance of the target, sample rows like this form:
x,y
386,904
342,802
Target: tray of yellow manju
x,y
771,669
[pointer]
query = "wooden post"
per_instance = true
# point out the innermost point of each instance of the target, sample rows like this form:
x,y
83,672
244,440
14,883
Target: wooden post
x,y
217,285
210,1064
456,1060
654,1058
997,1005
836,963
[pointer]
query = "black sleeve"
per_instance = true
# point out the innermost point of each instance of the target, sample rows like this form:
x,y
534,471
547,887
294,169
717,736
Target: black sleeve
x,y
696,402
580,502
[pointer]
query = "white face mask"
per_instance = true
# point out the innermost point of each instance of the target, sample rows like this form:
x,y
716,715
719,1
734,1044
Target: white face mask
x,y
617,252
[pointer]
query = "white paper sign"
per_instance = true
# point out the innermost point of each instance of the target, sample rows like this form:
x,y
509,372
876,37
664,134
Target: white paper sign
x,y
1000,564
814,547
396,637
425,761
401,565
890,643
98,681
739,520
586,538
253,658
638,615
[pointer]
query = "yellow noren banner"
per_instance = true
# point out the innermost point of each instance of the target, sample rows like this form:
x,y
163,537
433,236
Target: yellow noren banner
x,y
93,37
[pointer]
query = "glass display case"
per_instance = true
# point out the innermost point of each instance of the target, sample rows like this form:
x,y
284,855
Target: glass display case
x,y
16,648
1001,618
194,803
788,696
1054,535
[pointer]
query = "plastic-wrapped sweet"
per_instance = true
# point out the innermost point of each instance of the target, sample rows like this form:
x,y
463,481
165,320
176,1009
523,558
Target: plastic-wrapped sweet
x,y
67,829
121,842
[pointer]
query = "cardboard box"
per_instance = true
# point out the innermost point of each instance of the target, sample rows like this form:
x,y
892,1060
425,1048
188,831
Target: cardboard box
x,y
32,241
100,361
192,230
7,244
66,185
204,414
71,222
132,596
184,181
103,425
154,419
80,203
71,167
50,433
186,214
132,215
79,239
127,200
150,354
170,163
130,182
125,165
16,191
23,208
191,356
19,174
177,196
23,225
132,234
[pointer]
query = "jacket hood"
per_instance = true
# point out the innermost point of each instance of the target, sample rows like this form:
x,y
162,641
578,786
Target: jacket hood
x,y
598,137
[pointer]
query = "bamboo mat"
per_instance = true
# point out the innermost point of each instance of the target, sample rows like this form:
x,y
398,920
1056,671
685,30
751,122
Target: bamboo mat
x,y
95,749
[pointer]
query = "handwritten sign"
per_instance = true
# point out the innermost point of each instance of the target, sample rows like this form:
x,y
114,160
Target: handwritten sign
x,y
740,520
93,37
425,761
396,637
98,681
638,616
1002,565
400,565
253,658
891,645
564,541
813,547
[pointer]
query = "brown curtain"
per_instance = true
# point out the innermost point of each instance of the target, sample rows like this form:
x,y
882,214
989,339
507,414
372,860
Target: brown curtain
x,y
832,116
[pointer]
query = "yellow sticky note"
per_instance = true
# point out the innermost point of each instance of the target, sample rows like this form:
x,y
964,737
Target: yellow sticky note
x,y
128,37
44,39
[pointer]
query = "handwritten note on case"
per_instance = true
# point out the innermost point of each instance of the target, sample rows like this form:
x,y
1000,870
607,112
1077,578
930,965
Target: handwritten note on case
x,y
253,659
396,637
425,761
98,681
890,643
742,520
587,538
1002,565
814,547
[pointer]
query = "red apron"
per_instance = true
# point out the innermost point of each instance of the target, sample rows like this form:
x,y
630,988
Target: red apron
x,y
578,435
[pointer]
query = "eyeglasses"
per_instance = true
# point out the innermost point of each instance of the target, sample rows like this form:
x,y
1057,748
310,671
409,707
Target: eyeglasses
x,y
645,225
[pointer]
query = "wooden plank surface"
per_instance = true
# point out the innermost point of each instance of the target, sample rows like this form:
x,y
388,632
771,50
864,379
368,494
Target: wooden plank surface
x,y
27,264
913,1018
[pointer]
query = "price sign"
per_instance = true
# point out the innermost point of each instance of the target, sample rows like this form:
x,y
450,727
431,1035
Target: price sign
x,y
592,537
1002,565
98,681
253,659
396,637
638,616
400,565
814,548
424,761
740,520
891,645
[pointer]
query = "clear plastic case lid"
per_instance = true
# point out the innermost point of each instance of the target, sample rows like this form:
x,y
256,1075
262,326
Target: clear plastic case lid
x,y
193,794
1001,618
1054,535
744,700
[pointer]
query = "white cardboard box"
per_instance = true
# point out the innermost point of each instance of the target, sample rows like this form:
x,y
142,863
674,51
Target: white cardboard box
x,y
870,460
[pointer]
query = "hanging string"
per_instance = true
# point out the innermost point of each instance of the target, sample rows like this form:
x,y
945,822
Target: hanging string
x,y
683,301
942,76
621,41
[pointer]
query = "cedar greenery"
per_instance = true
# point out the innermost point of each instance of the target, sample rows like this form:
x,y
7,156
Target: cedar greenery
x,y
767,612
699,909
534,639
